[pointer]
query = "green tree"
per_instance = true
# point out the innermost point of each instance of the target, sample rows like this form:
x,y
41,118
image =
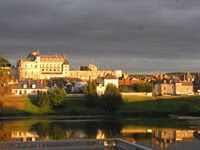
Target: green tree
x,y
143,87
112,99
140,87
43,100
84,68
57,96
148,87
4,88
91,97
4,62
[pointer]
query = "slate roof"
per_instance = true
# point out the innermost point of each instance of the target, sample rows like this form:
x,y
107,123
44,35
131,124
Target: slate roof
x,y
110,76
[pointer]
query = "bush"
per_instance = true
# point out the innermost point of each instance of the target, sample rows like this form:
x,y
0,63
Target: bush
x,y
112,99
91,96
57,96
91,100
143,87
43,100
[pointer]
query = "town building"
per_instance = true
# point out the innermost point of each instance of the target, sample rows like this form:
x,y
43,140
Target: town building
x,y
28,87
104,81
173,87
38,67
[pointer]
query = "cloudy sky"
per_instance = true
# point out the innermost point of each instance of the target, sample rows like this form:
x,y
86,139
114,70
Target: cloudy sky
x,y
132,35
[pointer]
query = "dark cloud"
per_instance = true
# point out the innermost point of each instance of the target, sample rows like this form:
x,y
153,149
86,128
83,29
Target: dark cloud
x,y
134,35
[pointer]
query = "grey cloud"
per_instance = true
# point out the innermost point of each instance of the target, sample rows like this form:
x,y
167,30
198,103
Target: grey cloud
x,y
105,30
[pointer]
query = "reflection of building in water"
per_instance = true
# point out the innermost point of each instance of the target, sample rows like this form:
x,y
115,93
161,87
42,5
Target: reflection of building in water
x,y
24,135
74,134
100,134
166,136
135,134
130,129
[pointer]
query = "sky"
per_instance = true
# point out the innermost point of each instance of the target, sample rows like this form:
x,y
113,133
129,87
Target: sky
x,y
137,36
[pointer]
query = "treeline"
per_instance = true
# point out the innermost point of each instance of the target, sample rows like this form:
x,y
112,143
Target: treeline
x,y
109,101
138,87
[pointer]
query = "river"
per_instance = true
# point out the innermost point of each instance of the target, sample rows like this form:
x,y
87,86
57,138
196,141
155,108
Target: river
x,y
155,133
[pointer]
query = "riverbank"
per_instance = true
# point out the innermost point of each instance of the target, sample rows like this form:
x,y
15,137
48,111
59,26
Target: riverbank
x,y
133,106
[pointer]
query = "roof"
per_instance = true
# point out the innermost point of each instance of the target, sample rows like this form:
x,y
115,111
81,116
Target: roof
x,y
110,76
28,83
127,82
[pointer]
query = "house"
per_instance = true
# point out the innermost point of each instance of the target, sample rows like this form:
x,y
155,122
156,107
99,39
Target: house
x,y
79,87
173,87
104,81
28,87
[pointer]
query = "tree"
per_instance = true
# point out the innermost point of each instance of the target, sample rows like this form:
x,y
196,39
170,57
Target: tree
x,y
90,88
57,96
43,100
4,88
143,87
112,99
91,97
85,68
148,87
4,62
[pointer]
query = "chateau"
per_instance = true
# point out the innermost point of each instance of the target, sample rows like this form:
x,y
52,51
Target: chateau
x,y
38,67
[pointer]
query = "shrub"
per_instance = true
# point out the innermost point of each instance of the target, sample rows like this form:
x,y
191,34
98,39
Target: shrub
x,y
43,100
57,96
91,96
143,87
91,100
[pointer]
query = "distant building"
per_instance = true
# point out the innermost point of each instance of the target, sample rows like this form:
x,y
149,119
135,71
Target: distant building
x,y
24,135
104,81
172,87
28,87
38,66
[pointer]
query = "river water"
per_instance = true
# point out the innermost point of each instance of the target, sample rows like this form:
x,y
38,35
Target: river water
x,y
156,133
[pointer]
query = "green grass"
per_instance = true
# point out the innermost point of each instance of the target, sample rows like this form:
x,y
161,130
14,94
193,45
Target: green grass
x,y
161,105
131,105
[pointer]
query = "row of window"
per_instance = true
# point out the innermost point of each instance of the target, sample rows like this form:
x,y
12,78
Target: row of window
x,y
164,88
45,65
58,70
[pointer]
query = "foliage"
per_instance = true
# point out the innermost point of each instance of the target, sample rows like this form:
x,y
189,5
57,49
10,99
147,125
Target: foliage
x,y
91,100
57,96
143,87
4,62
112,99
43,100
90,88
125,89
84,68
91,97
4,88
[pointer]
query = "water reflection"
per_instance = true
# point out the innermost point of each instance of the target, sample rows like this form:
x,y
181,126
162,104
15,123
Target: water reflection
x,y
156,133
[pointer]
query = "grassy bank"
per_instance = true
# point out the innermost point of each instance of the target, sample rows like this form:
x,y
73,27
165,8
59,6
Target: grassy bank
x,y
22,106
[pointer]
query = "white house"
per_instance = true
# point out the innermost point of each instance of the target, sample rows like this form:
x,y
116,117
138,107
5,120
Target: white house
x,y
103,82
28,87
